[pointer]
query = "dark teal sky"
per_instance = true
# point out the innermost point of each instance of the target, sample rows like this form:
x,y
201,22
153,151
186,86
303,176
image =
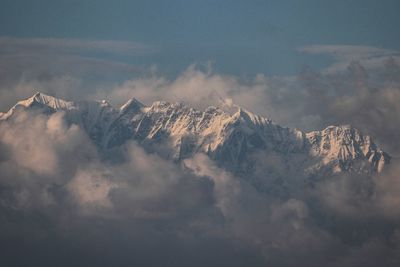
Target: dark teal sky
x,y
239,37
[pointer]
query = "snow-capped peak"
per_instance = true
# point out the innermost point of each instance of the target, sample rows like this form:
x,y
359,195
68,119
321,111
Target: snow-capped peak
x,y
39,100
250,117
50,101
131,104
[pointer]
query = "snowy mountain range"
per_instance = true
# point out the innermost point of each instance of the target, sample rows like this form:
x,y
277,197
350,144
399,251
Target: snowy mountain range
x,y
241,142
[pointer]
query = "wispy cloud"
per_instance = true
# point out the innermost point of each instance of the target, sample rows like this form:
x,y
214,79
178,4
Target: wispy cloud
x,y
368,56
61,45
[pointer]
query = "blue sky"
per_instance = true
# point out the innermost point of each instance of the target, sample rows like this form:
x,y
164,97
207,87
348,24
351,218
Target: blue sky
x,y
238,37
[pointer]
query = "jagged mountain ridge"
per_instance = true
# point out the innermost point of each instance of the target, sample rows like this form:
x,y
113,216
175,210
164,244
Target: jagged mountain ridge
x,y
235,139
